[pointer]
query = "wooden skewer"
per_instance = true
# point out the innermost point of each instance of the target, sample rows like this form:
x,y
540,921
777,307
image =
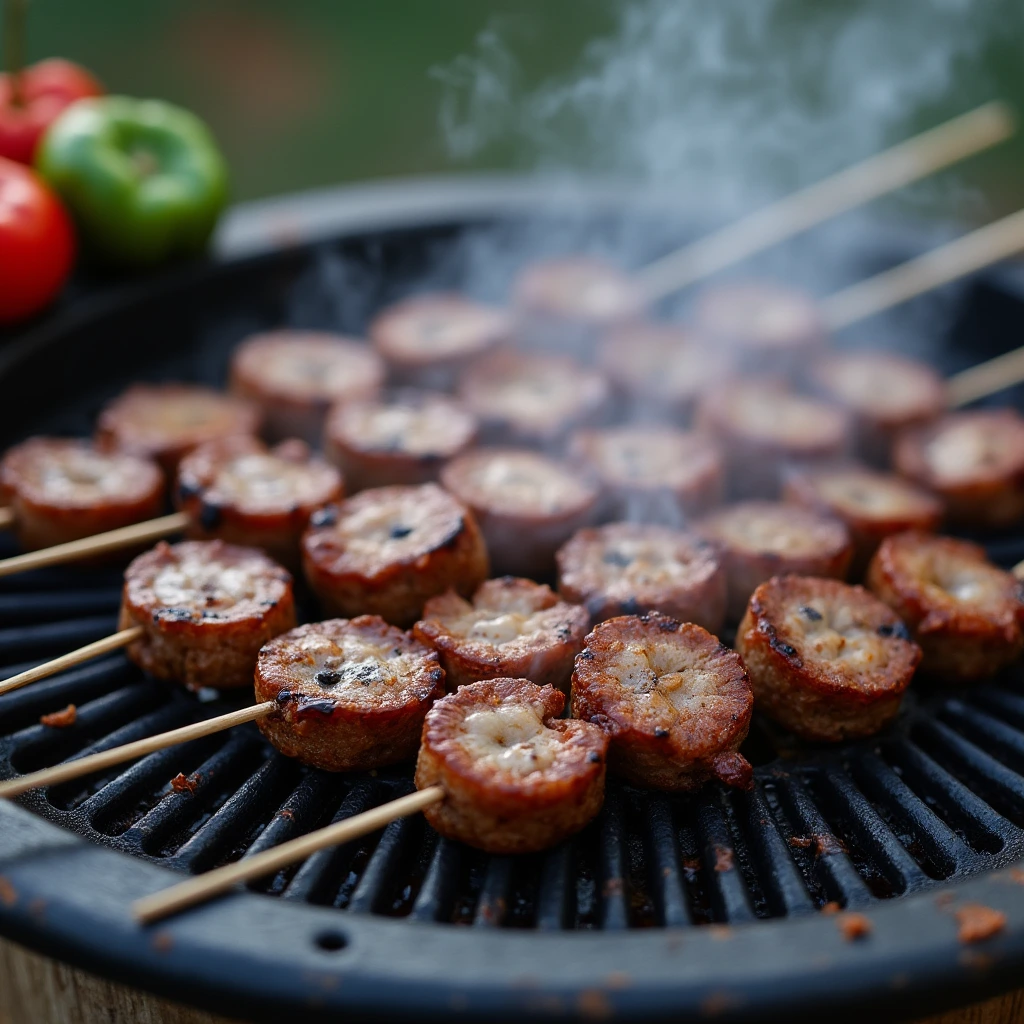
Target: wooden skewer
x,y
885,172
6,518
213,883
1018,570
101,543
988,378
86,653
129,751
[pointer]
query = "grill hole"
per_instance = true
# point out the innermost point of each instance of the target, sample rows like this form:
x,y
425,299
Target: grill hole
x,y
331,942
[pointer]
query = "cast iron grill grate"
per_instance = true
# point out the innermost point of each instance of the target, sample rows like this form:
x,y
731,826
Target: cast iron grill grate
x,y
939,797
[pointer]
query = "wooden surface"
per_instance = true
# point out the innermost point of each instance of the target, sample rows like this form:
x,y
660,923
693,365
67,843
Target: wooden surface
x,y
35,990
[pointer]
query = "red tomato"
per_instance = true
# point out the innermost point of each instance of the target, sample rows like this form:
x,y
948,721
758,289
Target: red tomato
x,y
37,243
46,89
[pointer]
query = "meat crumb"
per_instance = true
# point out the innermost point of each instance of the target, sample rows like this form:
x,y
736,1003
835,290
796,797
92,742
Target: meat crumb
x,y
1017,875
831,907
60,719
181,782
801,842
978,922
854,926
723,858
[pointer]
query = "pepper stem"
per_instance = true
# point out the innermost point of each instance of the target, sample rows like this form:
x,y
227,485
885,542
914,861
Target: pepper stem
x,y
14,46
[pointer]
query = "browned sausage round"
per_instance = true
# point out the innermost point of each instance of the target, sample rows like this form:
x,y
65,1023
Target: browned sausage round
x,y
206,608
513,628
974,461
386,550
967,614
527,505
651,474
427,339
676,702
295,376
242,492
517,778
166,421
630,568
761,539
826,660
352,694
403,439
61,489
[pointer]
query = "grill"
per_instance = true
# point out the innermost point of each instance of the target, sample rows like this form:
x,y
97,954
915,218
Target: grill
x,y
664,907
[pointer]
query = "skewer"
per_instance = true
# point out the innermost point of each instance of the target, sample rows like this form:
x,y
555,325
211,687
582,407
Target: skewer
x,y
885,172
6,518
213,883
987,378
130,751
86,653
101,543
1018,570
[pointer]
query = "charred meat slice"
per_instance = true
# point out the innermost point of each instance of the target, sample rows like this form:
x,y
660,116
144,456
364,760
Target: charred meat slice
x,y
517,777
967,614
675,701
512,628
351,694
386,550
206,608
828,661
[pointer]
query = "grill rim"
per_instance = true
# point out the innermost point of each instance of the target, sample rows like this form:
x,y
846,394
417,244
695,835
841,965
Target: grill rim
x,y
53,873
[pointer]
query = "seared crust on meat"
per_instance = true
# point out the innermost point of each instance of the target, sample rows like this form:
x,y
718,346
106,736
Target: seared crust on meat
x,y
631,568
761,539
884,393
295,376
576,289
764,428
517,778
974,461
651,474
166,421
206,608
676,702
826,660
531,398
426,338
513,628
769,323
60,489
242,492
403,439
667,366
385,551
351,693
527,505
967,614
873,505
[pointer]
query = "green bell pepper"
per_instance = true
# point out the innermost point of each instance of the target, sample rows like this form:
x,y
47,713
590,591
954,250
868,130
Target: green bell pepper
x,y
144,180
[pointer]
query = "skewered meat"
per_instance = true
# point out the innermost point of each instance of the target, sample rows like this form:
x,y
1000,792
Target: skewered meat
x,y
517,778
974,461
385,551
527,505
826,660
761,539
873,505
513,628
351,693
666,367
295,376
651,474
166,421
884,393
775,328
764,428
206,608
531,398
427,339
631,568
404,439
676,702
242,492
60,489
967,614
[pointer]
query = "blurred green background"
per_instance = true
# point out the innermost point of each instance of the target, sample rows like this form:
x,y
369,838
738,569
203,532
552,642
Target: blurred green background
x,y
308,93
